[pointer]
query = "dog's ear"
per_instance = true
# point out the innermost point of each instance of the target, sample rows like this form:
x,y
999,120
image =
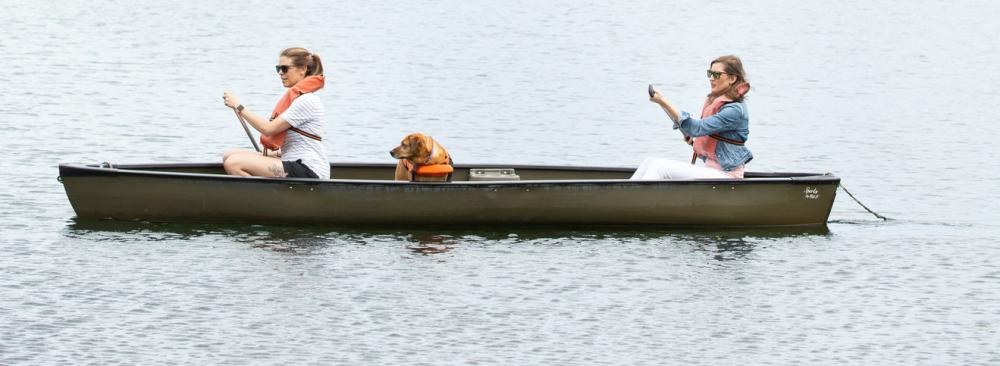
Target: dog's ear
x,y
416,144
428,144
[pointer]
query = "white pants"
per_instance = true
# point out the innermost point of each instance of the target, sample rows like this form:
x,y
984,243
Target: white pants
x,y
659,168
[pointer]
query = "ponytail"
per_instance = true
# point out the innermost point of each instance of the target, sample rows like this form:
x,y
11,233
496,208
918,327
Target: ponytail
x,y
734,66
315,67
301,57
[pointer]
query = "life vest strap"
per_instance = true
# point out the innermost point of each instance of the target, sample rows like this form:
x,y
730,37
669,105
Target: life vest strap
x,y
694,155
727,140
306,134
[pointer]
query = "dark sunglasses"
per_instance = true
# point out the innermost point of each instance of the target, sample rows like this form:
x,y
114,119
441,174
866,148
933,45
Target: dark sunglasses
x,y
281,69
715,75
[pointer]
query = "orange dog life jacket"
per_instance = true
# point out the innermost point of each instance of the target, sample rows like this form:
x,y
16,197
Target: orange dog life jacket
x,y
307,85
438,164
436,170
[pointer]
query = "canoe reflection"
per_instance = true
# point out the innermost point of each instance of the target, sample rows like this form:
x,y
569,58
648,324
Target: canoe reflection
x,y
427,244
721,244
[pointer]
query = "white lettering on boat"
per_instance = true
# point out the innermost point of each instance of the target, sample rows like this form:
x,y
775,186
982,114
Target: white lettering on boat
x,y
811,193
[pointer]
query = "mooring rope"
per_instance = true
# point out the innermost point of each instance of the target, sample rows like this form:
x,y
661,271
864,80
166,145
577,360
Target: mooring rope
x,y
862,204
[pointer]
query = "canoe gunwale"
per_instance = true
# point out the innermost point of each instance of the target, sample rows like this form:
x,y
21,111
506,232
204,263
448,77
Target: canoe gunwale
x,y
150,170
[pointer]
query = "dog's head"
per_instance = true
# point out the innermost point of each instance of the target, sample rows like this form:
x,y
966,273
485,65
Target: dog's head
x,y
414,147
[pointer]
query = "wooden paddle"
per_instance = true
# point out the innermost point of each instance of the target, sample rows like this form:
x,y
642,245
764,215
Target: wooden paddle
x,y
247,129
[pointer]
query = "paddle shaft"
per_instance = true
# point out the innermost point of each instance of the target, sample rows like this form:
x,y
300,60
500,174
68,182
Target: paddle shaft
x,y
247,129
652,93
694,154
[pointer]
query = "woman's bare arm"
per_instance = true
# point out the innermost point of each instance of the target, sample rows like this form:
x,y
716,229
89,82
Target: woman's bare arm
x,y
265,127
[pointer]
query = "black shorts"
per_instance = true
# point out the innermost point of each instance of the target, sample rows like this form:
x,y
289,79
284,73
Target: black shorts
x,y
296,169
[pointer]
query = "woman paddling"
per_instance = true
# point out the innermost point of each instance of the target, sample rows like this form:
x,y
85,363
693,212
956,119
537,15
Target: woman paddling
x,y
717,137
292,135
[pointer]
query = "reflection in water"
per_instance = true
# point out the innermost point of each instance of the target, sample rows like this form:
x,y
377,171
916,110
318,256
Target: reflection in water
x,y
428,244
737,243
723,244
277,238
733,248
725,248
115,230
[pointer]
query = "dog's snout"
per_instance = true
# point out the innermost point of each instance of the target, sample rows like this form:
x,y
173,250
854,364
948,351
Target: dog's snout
x,y
392,153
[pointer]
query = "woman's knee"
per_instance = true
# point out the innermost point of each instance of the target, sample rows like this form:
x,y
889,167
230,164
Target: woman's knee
x,y
240,164
253,164
230,163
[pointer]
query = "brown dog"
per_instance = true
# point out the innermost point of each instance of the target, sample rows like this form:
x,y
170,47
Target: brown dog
x,y
417,150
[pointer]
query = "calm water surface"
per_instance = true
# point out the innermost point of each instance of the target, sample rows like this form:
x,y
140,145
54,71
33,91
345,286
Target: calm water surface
x,y
896,98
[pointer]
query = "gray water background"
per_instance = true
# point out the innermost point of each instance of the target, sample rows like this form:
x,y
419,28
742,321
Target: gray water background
x,y
897,98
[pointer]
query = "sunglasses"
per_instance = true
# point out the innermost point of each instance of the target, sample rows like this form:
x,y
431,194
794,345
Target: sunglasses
x,y
281,69
715,75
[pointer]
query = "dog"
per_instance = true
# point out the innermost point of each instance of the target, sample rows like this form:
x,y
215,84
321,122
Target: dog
x,y
418,150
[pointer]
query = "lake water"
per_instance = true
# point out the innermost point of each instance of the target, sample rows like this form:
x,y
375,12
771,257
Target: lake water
x,y
897,98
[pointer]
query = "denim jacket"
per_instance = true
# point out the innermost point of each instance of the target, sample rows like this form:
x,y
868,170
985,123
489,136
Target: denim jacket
x,y
732,121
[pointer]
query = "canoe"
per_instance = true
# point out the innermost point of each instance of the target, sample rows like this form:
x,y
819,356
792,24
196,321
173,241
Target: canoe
x,y
479,194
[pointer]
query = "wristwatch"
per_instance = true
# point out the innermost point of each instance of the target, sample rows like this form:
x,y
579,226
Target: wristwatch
x,y
239,108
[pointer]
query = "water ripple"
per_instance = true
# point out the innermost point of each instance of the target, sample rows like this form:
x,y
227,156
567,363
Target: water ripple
x,y
506,82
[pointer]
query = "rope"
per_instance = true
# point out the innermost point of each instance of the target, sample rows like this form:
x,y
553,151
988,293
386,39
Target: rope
x,y
862,204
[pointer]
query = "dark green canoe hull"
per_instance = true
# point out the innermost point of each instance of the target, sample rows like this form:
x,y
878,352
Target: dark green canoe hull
x,y
365,194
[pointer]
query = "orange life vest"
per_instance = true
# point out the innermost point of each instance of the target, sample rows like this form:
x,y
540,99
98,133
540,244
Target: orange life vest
x,y
307,85
705,146
438,164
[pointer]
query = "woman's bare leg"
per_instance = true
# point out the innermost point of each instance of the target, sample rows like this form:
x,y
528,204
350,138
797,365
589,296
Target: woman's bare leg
x,y
248,163
229,153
